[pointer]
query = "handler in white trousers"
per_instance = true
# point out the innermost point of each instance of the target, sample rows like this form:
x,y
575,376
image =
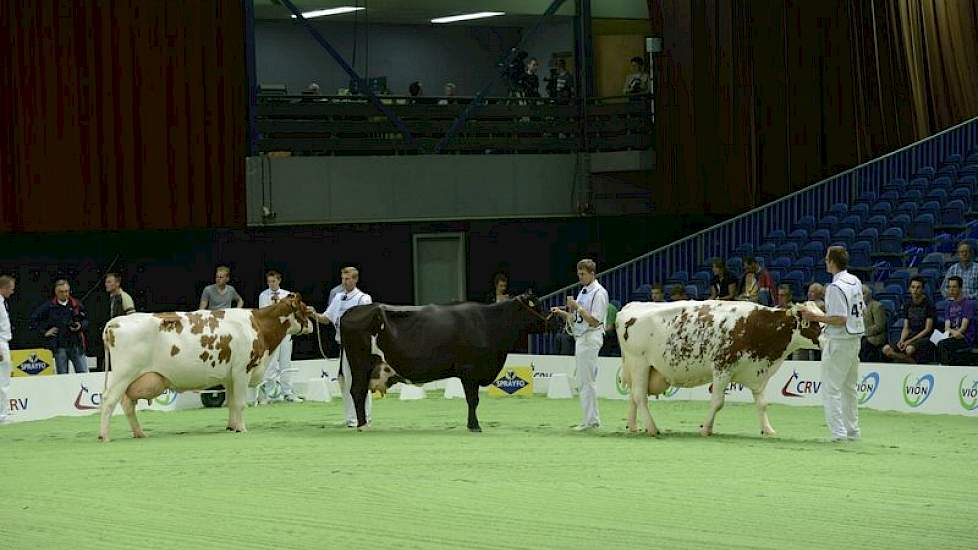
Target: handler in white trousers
x,y
844,327
349,297
6,334
279,367
584,319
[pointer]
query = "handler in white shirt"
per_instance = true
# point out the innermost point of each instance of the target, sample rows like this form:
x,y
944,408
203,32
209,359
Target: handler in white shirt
x,y
280,361
844,327
349,297
6,289
584,318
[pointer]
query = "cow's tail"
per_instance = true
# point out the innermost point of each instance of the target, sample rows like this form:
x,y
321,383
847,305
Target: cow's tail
x,y
105,366
626,375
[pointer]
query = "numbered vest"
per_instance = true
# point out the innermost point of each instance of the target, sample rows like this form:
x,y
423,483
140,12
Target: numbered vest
x,y
852,291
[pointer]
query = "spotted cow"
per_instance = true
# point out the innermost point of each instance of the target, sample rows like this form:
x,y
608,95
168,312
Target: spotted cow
x,y
686,344
153,352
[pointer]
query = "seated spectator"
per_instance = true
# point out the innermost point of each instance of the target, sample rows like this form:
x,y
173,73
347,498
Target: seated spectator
x,y
816,293
918,314
311,89
723,286
658,293
756,284
784,297
415,89
678,293
637,81
871,350
958,324
449,94
966,269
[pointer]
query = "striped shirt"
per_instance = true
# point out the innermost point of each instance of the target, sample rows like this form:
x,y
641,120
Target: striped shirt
x,y
968,274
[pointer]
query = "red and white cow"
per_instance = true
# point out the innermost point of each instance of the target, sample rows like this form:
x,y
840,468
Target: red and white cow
x,y
152,352
687,344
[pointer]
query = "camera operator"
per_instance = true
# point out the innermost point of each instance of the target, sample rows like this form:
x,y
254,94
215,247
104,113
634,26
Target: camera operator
x,y
516,73
62,322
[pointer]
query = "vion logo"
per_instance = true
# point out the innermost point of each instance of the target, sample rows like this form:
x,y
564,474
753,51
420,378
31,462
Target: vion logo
x,y
796,387
968,395
33,365
916,393
86,400
166,398
511,383
866,388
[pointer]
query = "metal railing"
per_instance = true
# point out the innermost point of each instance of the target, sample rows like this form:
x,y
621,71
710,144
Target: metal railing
x,y
752,227
349,125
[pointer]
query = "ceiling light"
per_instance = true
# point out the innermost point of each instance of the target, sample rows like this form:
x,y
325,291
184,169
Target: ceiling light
x,y
467,16
330,11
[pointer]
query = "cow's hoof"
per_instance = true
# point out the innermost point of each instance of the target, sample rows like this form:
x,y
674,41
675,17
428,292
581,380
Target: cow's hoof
x,y
652,433
103,438
229,428
770,433
475,429
139,435
706,432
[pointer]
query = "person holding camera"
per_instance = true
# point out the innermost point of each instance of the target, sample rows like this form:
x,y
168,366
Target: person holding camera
x,y
62,322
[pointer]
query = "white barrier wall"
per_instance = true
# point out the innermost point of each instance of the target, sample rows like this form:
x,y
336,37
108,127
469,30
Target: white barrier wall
x,y
927,389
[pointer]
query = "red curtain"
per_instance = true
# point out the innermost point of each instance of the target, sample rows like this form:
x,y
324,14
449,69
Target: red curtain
x,y
122,114
758,98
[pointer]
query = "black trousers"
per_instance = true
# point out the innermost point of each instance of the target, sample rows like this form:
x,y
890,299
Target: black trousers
x,y
948,350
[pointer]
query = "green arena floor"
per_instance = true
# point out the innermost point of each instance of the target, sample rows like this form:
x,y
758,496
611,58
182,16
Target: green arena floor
x,y
299,479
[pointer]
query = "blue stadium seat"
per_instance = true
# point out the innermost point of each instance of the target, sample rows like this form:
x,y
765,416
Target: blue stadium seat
x,y
900,220
925,172
933,208
702,280
912,194
945,243
892,196
932,276
934,260
845,235
641,294
891,241
798,237
909,208
879,223
881,208
828,222
766,250
895,330
870,234
899,279
780,265
821,276
859,255
744,249
860,210
895,185
962,194
776,236
735,266
839,210
946,170
819,235
942,183
796,280
814,250
852,221
806,222
941,307
866,198
953,158
805,264
889,306
972,157
693,291
939,195
922,228
953,213
969,180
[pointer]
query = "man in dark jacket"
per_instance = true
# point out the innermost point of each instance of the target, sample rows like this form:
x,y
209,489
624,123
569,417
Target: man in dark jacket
x,y
62,322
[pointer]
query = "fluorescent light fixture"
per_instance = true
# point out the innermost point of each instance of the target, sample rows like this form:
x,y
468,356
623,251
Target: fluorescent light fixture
x,y
330,11
467,16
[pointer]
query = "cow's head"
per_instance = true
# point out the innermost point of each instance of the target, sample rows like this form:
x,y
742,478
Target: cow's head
x,y
807,333
299,321
382,376
539,319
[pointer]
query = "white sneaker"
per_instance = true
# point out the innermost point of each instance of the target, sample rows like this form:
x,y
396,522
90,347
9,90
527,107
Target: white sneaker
x,y
292,398
586,427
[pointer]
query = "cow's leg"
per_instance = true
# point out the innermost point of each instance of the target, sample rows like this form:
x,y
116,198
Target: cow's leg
x,y
148,386
472,399
111,398
228,399
359,388
236,396
761,403
129,407
640,374
720,382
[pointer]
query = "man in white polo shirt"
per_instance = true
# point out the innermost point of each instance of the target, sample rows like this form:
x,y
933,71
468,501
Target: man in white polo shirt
x,y
349,297
7,284
844,327
280,362
584,318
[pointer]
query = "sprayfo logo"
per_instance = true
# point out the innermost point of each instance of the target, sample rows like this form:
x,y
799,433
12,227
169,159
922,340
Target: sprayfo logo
x,y
916,393
86,400
866,388
33,365
796,387
166,398
968,392
511,383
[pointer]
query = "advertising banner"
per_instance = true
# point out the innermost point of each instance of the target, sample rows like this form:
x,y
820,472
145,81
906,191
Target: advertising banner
x,y
31,362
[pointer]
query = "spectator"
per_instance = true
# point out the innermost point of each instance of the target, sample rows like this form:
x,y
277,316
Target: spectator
x,y
449,94
755,284
959,328
784,296
220,295
637,82
120,302
311,89
816,293
723,286
415,89
500,289
62,321
678,293
871,348
7,285
918,314
658,293
610,346
531,82
966,269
